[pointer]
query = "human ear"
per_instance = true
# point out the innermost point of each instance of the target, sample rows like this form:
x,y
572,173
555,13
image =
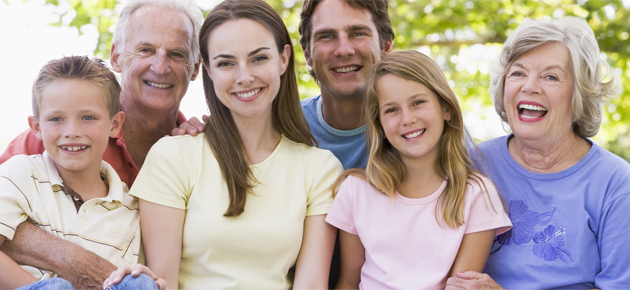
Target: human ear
x,y
196,70
114,58
387,47
33,123
117,122
307,56
286,54
447,113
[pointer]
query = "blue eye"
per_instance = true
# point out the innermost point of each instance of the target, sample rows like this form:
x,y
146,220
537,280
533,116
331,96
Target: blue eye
x,y
54,119
89,118
516,74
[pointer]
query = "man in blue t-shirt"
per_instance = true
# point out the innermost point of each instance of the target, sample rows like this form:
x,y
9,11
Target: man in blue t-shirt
x,y
341,41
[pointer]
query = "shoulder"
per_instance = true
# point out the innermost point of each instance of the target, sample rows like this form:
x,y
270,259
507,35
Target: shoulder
x,y
25,143
310,102
611,170
22,164
493,144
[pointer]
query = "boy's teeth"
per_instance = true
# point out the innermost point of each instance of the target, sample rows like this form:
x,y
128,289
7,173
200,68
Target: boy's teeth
x,y
73,148
161,86
416,134
531,107
248,95
347,69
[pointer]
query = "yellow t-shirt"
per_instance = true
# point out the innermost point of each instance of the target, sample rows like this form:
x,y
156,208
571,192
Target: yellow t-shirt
x,y
256,249
31,189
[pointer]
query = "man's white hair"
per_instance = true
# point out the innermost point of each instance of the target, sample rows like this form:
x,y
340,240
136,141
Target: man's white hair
x,y
187,6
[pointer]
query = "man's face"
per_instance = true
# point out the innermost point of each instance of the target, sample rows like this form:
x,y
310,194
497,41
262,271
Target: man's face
x,y
343,48
155,63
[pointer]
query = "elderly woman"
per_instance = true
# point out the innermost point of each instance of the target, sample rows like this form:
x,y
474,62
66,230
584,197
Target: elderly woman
x,y
569,199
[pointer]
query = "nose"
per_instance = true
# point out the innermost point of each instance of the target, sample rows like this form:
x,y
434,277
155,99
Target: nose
x,y
244,76
531,86
408,117
72,129
344,47
160,64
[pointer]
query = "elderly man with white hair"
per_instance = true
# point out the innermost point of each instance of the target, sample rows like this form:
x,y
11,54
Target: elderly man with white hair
x,y
156,51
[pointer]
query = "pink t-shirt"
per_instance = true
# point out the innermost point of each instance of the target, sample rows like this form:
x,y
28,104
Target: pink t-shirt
x,y
405,247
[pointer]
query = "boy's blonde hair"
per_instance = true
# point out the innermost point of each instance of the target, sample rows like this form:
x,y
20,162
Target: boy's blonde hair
x,y
80,68
385,170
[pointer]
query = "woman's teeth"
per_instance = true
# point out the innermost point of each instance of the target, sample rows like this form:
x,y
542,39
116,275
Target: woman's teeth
x,y
416,134
532,107
248,95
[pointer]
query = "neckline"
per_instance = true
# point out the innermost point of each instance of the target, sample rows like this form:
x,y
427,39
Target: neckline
x,y
275,151
330,129
545,176
423,200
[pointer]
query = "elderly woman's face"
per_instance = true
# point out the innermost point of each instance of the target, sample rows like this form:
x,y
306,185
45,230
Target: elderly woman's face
x,y
538,89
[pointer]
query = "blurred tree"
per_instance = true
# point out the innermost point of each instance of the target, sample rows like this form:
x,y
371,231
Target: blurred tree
x,y
463,36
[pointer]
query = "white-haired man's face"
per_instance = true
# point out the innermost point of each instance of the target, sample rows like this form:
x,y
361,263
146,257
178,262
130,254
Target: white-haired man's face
x,y
156,61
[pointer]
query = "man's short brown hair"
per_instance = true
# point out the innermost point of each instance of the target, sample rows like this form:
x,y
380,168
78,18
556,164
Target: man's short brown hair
x,y
79,68
377,8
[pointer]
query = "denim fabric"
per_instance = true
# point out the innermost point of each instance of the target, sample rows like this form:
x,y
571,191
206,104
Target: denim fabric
x,y
52,284
142,282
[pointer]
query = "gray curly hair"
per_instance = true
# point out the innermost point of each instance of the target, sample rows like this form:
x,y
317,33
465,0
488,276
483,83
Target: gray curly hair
x,y
588,70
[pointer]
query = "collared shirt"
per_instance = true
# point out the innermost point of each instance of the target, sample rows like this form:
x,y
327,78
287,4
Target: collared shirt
x,y
116,153
31,189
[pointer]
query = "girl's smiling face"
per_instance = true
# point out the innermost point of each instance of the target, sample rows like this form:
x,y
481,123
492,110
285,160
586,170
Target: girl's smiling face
x,y
245,67
412,117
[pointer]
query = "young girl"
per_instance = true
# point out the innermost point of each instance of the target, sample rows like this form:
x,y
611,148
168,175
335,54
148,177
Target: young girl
x,y
419,213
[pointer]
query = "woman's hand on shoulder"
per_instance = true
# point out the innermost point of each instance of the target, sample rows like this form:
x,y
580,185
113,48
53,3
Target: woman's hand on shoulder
x,y
136,270
472,280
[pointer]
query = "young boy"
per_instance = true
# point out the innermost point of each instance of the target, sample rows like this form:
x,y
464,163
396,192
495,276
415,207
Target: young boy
x,y
68,190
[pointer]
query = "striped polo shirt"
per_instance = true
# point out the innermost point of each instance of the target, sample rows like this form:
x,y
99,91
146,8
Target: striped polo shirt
x,y
31,189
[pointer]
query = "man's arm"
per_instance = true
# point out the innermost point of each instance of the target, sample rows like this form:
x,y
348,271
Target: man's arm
x,y
35,247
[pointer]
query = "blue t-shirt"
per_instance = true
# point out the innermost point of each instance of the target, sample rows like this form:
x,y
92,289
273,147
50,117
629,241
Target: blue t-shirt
x,y
347,145
571,229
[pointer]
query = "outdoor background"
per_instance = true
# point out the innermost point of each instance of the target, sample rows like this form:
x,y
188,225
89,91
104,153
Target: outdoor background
x,y
463,37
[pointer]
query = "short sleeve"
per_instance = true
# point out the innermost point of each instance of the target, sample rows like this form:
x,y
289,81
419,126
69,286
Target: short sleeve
x,y
319,197
165,177
486,210
14,194
341,214
614,240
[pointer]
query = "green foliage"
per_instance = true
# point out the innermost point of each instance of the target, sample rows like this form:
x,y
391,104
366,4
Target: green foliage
x,y
451,30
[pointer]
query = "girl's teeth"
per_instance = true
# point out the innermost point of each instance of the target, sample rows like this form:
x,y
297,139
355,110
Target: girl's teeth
x,y
416,134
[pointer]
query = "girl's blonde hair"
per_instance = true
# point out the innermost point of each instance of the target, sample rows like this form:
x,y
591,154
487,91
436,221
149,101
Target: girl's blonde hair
x,y
385,170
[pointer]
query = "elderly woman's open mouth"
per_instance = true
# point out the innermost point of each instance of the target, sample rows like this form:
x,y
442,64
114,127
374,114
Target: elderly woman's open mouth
x,y
531,110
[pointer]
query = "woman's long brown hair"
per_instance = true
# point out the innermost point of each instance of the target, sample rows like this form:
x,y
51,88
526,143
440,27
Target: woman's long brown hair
x,y
220,130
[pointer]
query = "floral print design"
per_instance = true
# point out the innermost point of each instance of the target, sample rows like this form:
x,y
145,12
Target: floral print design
x,y
548,242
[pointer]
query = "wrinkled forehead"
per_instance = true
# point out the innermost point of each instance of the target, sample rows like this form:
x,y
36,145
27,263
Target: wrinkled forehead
x,y
160,25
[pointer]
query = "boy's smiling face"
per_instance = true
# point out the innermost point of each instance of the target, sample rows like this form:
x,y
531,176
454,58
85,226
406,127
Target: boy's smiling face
x,y
75,125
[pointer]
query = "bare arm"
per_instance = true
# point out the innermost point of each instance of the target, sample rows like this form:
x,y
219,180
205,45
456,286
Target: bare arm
x,y
313,262
162,229
352,259
470,261
12,275
83,268
473,252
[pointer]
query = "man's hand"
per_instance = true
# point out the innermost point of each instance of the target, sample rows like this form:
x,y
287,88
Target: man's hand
x,y
137,269
35,247
472,280
192,127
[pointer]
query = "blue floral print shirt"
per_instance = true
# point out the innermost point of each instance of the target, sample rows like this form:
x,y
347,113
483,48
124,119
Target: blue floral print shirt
x,y
571,229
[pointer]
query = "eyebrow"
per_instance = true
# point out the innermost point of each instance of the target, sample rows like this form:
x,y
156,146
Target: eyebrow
x,y
414,96
356,27
546,68
229,56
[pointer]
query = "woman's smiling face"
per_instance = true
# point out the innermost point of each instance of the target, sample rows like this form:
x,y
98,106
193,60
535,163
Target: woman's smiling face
x,y
245,67
538,91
